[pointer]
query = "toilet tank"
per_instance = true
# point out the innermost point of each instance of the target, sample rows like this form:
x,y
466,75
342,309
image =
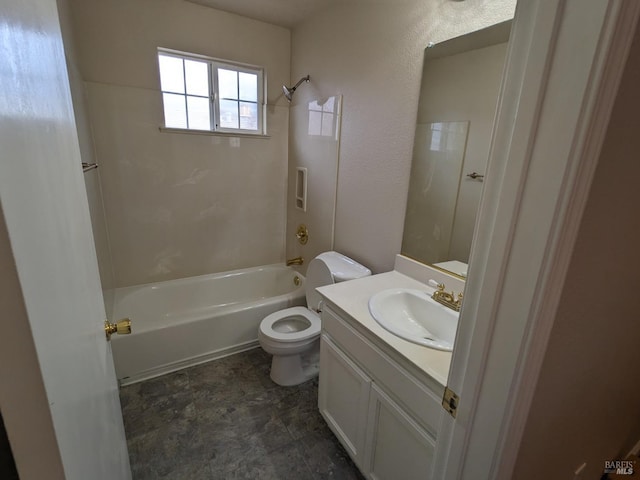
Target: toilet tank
x,y
328,268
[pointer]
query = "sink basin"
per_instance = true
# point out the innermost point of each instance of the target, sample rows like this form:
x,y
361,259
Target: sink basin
x,y
414,316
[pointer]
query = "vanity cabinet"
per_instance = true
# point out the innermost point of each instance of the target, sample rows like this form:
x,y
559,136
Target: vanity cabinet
x,y
343,398
396,445
385,417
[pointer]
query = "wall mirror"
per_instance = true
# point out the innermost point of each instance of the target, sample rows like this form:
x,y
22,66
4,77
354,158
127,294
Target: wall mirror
x,y
458,96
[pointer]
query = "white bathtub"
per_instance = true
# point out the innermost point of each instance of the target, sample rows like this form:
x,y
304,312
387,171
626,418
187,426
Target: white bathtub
x,y
184,322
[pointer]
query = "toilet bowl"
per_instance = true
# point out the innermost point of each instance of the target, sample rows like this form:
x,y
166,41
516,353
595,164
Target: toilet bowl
x,y
292,335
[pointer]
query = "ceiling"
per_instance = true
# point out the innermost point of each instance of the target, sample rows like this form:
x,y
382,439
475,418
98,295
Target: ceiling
x,y
286,13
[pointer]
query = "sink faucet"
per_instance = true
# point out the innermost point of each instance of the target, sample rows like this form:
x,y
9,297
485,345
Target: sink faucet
x,y
449,300
295,261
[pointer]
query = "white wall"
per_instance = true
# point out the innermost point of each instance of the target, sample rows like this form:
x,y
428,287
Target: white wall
x,y
179,205
585,408
372,55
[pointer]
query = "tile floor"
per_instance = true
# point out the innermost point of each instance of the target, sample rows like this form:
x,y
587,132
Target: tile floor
x,y
227,420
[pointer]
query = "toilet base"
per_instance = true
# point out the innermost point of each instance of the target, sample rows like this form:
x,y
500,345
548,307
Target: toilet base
x,y
290,370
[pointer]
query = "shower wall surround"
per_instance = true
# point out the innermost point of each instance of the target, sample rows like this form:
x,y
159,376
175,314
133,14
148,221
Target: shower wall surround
x,y
313,144
179,205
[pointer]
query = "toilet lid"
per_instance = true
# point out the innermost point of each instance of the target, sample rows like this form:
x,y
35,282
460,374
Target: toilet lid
x,y
328,268
266,326
318,275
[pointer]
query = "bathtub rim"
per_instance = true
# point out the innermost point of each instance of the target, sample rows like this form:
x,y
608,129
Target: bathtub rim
x,y
140,286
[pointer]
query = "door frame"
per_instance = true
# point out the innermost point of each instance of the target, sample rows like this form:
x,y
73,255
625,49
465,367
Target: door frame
x,y
564,65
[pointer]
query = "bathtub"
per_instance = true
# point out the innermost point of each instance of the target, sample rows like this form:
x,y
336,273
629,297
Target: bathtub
x,y
184,322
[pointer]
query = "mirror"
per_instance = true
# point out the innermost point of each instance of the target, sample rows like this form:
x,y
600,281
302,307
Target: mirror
x,y
458,96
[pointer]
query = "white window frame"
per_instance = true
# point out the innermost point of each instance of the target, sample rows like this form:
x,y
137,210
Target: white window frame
x,y
214,98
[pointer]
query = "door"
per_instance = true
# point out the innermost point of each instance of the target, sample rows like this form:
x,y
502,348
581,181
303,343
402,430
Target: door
x,y
52,267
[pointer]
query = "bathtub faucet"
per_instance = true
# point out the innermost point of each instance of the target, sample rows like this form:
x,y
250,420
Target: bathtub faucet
x,y
295,261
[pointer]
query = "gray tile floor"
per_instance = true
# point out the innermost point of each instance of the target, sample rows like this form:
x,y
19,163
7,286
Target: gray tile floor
x,y
227,420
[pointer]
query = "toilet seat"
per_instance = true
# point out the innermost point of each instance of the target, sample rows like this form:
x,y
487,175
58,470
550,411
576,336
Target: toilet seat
x,y
313,330
292,336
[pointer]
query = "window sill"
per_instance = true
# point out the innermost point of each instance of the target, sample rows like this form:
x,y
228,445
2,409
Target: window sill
x,y
210,133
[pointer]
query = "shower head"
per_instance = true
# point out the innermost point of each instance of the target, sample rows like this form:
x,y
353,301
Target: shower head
x,y
288,91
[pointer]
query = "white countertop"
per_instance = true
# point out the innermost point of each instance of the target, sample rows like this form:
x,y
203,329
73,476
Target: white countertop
x,y
353,298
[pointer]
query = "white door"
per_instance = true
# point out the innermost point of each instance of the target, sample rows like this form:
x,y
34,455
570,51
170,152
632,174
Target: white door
x,y
57,294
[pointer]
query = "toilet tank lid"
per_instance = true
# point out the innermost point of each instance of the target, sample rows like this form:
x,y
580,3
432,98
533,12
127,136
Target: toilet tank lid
x,y
343,268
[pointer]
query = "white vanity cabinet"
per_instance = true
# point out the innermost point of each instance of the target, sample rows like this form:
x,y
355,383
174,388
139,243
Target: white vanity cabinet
x,y
385,416
397,447
343,398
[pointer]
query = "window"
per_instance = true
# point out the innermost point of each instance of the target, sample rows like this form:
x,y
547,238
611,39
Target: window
x,y
200,93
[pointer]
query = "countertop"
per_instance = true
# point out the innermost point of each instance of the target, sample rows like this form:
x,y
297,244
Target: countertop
x,y
353,298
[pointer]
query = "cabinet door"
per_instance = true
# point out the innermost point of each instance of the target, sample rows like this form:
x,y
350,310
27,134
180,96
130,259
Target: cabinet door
x,y
396,446
343,398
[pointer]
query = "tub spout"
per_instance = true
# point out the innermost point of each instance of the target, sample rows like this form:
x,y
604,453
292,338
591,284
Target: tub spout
x,y
295,261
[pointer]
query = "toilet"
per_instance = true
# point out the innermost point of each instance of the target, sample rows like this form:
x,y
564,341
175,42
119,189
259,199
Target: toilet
x,y
292,335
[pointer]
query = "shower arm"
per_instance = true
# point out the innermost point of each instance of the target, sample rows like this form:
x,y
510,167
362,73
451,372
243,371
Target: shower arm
x,y
288,91
303,79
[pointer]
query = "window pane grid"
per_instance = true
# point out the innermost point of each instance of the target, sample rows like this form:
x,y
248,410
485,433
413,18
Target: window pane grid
x,y
233,101
171,74
244,101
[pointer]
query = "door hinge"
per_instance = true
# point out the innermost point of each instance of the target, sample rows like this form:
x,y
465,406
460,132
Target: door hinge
x,y
450,401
